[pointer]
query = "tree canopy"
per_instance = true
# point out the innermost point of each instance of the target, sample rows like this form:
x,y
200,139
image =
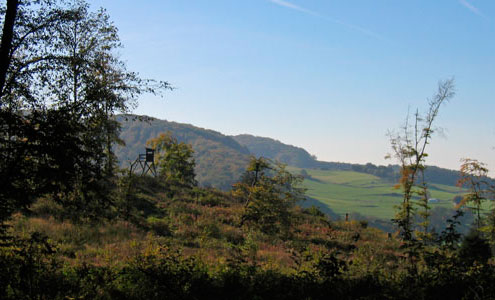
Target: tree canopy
x,y
60,88
175,162
268,192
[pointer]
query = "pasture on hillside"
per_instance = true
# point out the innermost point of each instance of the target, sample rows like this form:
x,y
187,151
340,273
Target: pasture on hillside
x,y
354,192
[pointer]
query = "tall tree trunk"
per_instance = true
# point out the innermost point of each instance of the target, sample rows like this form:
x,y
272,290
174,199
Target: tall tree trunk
x,y
7,35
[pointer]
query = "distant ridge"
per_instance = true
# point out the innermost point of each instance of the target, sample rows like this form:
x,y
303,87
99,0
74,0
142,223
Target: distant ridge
x,y
221,159
276,150
298,157
287,154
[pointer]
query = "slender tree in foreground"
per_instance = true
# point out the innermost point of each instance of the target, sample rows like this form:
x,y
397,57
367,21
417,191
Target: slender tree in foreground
x,y
409,148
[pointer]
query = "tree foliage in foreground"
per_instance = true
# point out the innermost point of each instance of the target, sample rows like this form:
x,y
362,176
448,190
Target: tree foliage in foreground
x,y
409,148
61,86
175,162
268,192
480,190
473,177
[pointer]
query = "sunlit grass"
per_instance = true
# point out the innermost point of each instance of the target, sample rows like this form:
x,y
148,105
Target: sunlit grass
x,y
353,192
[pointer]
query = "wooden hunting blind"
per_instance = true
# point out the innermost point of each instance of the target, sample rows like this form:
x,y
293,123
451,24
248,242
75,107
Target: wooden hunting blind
x,y
150,155
145,162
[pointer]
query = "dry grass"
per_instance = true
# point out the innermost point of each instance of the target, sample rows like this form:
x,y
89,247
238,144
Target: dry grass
x,y
213,235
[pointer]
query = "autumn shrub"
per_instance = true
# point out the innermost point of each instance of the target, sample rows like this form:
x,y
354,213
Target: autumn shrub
x,y
46,207
314,211
209,198
159,226
211,230
475,249
29,269
233,235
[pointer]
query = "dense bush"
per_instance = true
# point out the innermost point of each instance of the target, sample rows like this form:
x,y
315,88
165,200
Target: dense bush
x,y
31,270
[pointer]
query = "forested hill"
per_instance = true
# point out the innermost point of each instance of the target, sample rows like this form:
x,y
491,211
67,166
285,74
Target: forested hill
x,y
221,159
298,157
276,150
287,154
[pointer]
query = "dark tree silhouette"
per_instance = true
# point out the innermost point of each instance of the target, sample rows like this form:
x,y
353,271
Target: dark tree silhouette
x,y
61,90
7,35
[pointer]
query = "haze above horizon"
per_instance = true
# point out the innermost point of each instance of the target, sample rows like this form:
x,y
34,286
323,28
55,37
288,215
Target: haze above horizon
x,y
328,76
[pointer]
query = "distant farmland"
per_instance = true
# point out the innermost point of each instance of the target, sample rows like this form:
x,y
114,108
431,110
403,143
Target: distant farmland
x,y
348,192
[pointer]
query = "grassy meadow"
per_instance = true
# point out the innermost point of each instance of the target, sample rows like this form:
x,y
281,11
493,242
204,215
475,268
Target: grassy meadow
x,y
354,192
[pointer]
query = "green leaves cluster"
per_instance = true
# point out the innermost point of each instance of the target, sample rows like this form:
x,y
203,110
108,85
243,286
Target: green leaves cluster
x,y
480,190
474,177
268,192
60,86
175,162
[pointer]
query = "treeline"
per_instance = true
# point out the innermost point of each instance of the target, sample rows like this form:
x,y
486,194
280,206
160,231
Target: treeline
x,y
388,172
220,159
433,174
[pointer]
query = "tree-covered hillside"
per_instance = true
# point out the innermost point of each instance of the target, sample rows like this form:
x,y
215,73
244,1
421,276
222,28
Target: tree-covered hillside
x,y
299,157
276,150
220,160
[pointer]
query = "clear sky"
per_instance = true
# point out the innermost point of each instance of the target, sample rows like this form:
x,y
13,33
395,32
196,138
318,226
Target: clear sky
x,y
331,76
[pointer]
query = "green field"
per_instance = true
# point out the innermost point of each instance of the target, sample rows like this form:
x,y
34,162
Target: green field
x,y
348,192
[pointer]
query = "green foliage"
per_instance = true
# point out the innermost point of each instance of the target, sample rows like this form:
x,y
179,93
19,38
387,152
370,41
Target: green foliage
x,y
276,151
160,272
209,197
473,176
62,88
159,226
449,238
475,249
175,162
220,160
314,211
220,260
29,269
268,193
138,197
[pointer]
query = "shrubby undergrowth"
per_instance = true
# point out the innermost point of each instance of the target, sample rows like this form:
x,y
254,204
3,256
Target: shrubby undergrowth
x,y
193,246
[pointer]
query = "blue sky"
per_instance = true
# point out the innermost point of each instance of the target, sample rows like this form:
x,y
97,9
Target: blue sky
x,y
329,76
